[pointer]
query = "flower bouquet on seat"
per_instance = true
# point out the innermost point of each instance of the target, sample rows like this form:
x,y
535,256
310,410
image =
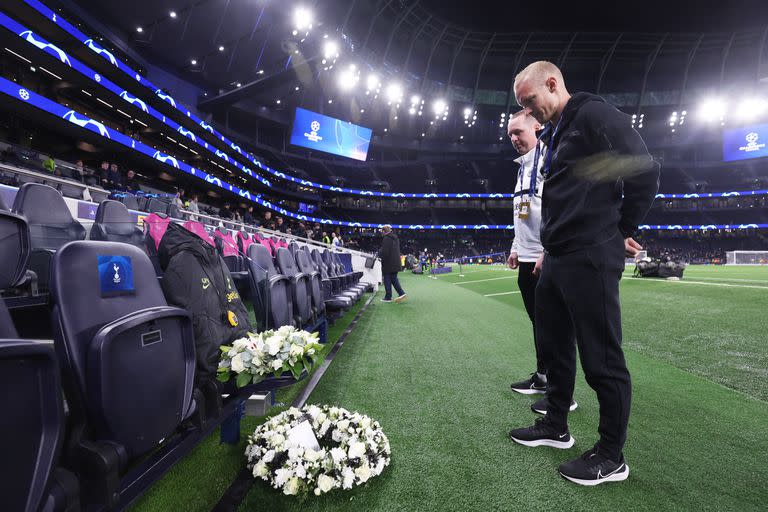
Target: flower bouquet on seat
x,y
258,356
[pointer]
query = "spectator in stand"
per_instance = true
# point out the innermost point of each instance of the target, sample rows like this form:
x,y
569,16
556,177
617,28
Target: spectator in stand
x,y
78,172
326,238
193,207
131,182
225,212
336,242
49,164
248,218
237,217
301,230
280,225
114,178
267,218
177,200
102,174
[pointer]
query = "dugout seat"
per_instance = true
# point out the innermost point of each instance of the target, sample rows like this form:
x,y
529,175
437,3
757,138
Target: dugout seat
x,y
271,296
114,224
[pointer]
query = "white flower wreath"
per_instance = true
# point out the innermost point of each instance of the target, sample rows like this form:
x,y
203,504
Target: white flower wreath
x,y
351,449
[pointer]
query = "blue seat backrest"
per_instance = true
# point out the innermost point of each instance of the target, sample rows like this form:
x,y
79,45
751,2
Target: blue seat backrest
x,y
14,248
94,285
114,224
32,422
130,201
51,224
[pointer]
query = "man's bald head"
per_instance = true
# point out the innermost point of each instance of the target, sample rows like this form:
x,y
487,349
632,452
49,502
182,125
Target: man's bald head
x,y
540,89
522,130
539,72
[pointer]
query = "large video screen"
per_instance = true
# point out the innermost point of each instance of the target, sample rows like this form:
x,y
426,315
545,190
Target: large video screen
x,y
323,133
745,142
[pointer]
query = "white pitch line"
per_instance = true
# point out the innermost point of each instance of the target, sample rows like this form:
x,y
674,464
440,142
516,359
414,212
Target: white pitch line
x,y
483,280
502,293
698,282
727,279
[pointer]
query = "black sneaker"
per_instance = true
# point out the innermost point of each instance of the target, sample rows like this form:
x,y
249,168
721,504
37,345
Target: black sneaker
x,y
542,433
593,468
531,386
540,406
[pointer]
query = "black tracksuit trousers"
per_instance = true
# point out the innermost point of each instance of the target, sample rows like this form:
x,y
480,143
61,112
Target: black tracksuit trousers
x,y
577,298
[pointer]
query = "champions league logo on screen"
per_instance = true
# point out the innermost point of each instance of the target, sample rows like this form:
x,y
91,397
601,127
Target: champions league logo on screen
x,y
314,127
752,144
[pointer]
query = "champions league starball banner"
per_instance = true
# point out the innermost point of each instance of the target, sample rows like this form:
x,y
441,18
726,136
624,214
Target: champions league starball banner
x,y
330,135
745,143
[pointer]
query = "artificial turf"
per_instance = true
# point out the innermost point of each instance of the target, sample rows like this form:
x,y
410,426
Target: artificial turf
x,y
436,371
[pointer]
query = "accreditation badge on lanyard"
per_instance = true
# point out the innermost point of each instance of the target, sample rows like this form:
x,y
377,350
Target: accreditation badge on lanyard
x,y
524,209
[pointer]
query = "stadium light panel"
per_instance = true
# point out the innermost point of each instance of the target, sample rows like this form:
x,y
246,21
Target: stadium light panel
x,y
372,82
221,48
438,107
330,50
415,100
172,14
302,18
139,30
712,109
394,91
750,108
348,78
194,62
467,112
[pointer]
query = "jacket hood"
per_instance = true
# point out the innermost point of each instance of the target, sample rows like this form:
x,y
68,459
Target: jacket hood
x,y
176,240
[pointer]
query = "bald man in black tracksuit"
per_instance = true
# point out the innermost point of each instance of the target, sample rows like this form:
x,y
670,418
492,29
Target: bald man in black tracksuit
x,y
600,183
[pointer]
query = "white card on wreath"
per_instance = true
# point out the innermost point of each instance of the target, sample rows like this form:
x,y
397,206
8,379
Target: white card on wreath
x,y
303,435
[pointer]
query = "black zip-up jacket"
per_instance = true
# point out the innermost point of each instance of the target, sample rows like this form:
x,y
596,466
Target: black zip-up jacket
x,y
390,253
197,280
597,158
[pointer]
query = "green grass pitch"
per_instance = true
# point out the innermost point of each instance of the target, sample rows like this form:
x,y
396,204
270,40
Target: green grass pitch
x,y
436,372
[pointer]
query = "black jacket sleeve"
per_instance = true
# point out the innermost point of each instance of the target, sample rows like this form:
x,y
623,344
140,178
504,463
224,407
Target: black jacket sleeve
x,y
613,132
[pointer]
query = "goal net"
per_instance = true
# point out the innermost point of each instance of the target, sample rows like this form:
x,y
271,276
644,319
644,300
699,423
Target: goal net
x,y
746,258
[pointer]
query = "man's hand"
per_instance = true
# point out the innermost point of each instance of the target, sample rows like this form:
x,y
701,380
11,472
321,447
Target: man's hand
x,y
631,248
537,266
512,261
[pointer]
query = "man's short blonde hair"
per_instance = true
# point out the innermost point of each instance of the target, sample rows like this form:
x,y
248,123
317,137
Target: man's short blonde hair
x,y
539,72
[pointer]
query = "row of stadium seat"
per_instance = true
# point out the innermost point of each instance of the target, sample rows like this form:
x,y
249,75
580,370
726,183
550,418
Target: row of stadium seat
x,y
124,427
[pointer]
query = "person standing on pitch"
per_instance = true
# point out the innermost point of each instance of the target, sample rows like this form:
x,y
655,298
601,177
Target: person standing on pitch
x,y
526,247
390,264
599,184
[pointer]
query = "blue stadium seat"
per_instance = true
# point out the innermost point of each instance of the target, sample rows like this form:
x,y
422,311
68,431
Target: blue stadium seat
x,y
31,401
300,287
303,297
128,359
321,288
271,296
51,225
114,224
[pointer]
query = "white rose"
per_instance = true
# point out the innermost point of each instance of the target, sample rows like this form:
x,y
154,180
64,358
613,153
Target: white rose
x,y
363,473
282,476
301,471
356,450
277,440
380,466
336,436
237,364
277,364
365,422
260,470
325,483
342,425
295,453
349,478
338,455
292,487
311,455
273,345
286,330
296,351
268,456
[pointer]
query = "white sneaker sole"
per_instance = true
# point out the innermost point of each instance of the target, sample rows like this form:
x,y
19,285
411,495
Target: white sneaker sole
x,y
401,298
572,407
529,391
616,477
562,445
